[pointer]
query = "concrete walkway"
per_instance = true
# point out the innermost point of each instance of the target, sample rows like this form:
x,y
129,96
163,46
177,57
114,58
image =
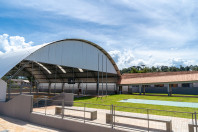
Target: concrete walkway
x,y
178,124
14,125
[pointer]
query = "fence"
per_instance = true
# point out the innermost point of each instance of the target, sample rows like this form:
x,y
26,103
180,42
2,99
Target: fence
x,y
119,117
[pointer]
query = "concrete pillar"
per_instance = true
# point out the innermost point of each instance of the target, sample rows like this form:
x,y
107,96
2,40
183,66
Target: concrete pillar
x,y
109,118
120,89
117,89
168,90
144,91
140,89
128,89
21,86
131,90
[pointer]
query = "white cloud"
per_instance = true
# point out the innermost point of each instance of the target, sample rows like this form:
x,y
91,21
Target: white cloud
x,y
162,23
123,59
154,32
12,43
84,10
178,61
127,58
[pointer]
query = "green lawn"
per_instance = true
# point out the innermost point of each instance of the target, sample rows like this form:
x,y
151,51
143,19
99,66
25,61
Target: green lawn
x,y
113,100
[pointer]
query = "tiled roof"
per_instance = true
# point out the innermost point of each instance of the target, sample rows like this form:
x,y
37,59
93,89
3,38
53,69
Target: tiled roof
x,y
158,77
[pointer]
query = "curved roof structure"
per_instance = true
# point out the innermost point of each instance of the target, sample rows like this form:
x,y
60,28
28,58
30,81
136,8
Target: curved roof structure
x,y
75,53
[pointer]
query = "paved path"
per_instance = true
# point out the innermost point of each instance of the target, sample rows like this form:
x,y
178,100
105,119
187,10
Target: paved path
x,y
178,124
14,125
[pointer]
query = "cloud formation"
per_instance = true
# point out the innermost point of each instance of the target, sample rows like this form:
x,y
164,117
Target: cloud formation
x,y
123,58
127,58
12,43
154,32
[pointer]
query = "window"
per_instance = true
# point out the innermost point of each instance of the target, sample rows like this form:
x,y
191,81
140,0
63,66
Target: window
x,y
159,85
186,85
174,85
135,85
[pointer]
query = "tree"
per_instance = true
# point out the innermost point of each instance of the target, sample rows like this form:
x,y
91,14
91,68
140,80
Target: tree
x,y
139,69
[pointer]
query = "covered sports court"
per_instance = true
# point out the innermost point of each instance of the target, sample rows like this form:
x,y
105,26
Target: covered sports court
x,y
70,65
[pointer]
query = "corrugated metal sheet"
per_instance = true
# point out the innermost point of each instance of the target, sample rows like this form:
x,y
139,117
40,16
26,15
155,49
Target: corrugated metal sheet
x,y
73,54
70,52
9,60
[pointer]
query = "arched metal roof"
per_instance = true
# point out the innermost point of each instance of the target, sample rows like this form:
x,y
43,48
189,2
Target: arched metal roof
x,y
38,54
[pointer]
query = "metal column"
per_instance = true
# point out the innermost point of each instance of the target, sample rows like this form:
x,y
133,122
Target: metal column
x,y
49,88
102,75
97,91
55,82
106,76
63,85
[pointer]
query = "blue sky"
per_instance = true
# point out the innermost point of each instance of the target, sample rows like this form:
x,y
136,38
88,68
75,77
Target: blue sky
x,y
134,32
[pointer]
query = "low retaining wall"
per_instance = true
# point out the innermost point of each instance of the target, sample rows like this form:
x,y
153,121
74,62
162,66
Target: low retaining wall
x,y
68,125
156,90
20,107
163,90
185,90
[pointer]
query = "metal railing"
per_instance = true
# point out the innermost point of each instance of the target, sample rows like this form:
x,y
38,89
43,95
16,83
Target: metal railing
x,y
119,117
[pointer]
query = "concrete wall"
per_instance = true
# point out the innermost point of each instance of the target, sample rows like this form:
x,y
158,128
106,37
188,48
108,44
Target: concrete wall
x,y
20,107
133,89
156,90
68,125
185,90
176,90
3,89
195,84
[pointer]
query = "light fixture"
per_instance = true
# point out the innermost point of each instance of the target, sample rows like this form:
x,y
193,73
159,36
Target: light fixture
x,y
44,67
63,70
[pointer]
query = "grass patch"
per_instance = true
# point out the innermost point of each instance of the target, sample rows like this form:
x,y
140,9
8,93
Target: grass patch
x,y
140,108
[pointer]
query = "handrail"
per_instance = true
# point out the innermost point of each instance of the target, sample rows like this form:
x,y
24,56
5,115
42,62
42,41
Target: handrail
x,y
44,98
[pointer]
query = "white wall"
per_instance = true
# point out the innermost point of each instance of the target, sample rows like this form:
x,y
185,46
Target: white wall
x,y
195,84
3,88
